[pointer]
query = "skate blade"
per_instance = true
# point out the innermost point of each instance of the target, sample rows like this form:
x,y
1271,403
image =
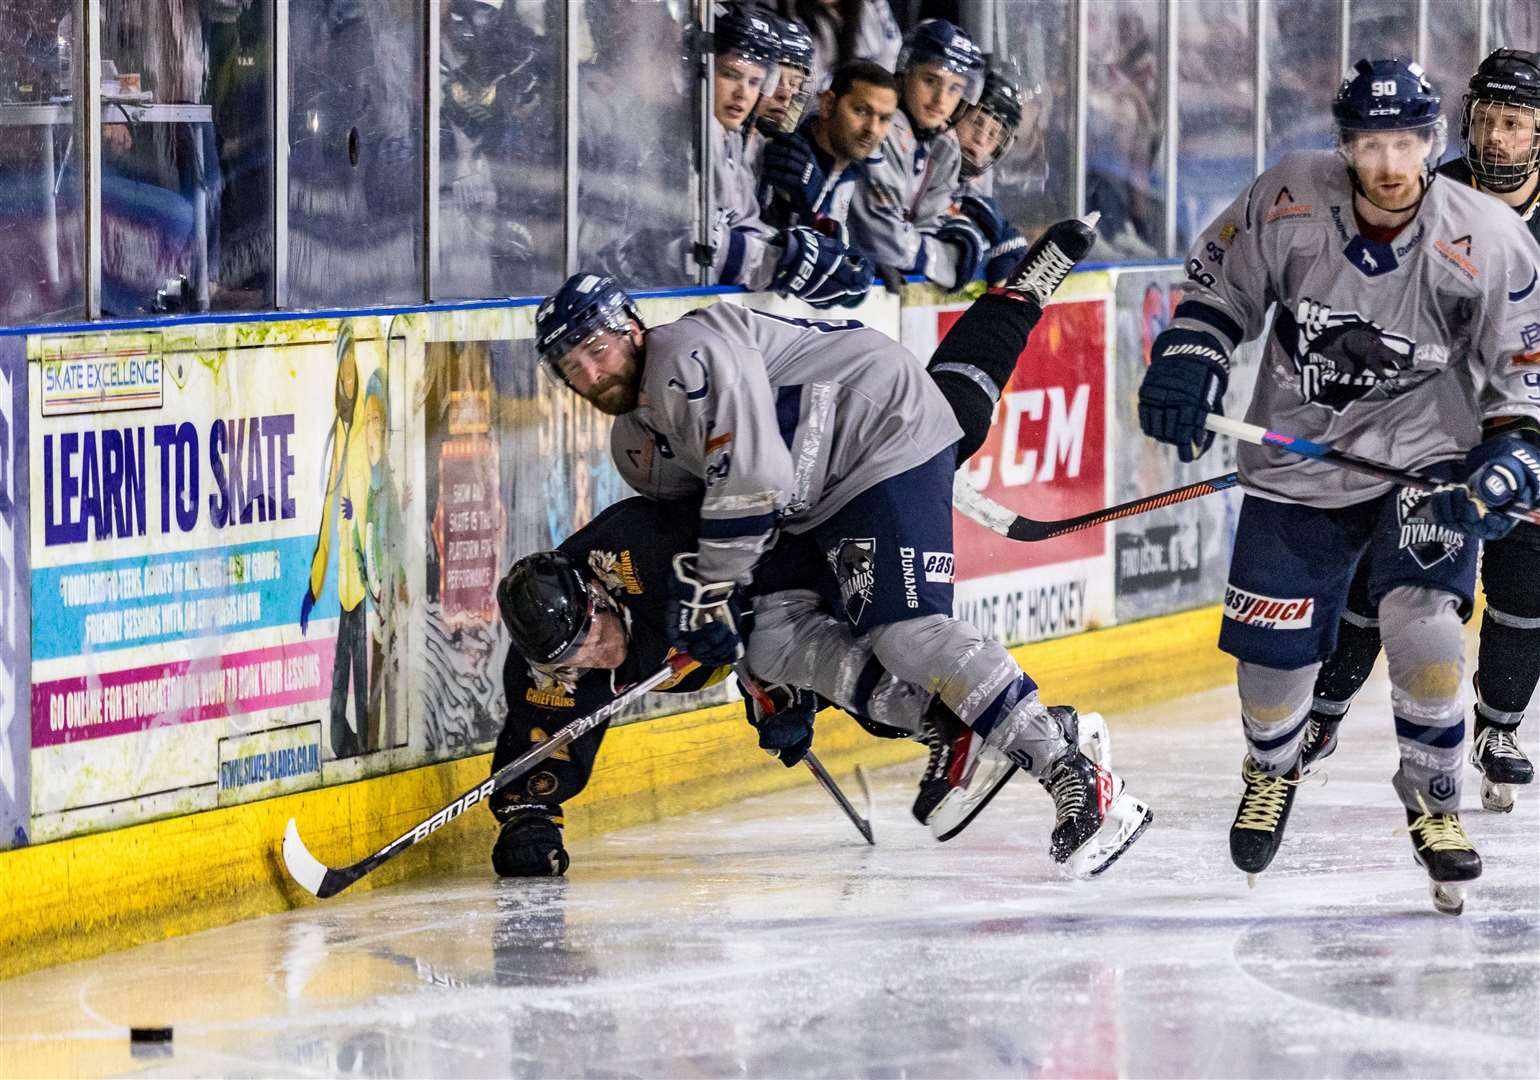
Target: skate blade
x,y
1448,897
956,812
1497,798
1126,821
1095,741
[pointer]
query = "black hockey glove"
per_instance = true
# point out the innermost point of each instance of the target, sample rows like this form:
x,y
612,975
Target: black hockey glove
x,y
985,213
783,719
702,616
960,234
1184,383
789,166
820,269
1004,256
1504,473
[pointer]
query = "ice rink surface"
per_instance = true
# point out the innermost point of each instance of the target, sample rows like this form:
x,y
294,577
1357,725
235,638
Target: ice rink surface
x,y
766,939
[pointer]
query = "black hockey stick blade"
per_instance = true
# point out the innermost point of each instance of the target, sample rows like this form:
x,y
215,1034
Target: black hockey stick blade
x,y
974,504
863,826
1236,429
321,880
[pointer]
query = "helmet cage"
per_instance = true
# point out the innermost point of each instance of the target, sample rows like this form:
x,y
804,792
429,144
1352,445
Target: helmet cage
x,y
970,166
1498,175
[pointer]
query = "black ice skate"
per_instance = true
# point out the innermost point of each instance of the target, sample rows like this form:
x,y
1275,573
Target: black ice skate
x,y
1051,258
1320,741
1096,820
1496,755
1259,820
960,778
1440,847
529,844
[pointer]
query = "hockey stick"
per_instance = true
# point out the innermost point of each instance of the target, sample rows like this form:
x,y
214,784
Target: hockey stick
x,y
323,881
973,503
767,706
1236,429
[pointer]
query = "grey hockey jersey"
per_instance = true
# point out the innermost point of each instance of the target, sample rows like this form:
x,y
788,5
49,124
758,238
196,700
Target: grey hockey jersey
x,y
745,251
782,422
904,199
1381,350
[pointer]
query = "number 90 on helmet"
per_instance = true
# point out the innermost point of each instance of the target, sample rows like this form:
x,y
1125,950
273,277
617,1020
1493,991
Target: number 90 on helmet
x,y
586,304
1388,95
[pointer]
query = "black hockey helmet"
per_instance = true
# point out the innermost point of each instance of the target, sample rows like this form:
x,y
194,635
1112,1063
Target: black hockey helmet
x,y
780,111
936,41
547,606
745,32
586,303
796,44
1508,79
999,102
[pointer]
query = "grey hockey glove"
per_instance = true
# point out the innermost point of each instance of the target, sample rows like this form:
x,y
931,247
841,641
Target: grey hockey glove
x,y
1184,383
702,616
1504,473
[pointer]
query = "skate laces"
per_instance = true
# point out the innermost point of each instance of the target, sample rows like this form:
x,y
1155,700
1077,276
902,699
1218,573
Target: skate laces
x,y
1068,791
1439,832
1264,799
1499,742
940,751
1045,272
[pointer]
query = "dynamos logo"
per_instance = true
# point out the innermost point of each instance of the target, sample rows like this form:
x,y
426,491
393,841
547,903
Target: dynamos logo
x,y
1342,357
1267,612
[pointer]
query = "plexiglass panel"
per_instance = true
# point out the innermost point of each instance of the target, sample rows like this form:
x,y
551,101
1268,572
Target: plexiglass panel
x,y
355,152
1126,128
1034,42
1381,28
500,148
1451,58
1215,104
41,189
1303,72
1513,24
636,139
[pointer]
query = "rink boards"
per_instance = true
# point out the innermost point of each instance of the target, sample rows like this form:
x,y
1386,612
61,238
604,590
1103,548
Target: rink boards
x,y
170,493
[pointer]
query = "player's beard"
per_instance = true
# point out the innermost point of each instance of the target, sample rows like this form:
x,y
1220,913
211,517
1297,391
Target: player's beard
x,y
618,394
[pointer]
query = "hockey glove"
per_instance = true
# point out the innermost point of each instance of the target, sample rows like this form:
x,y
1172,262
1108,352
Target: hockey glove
x,y
1504,472
783,716
821,270
967,243
702,616
985,213
1184,383
789,166
1004,256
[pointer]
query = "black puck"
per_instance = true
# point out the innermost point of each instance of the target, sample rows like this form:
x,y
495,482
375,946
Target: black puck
x,y
149,1034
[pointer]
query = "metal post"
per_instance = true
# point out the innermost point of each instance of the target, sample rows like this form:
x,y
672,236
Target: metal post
x,y
1344,33
1483,29
1260,18
1082,109
430,171
1422,32
1171,79
574,15
89,86
280,77
705,66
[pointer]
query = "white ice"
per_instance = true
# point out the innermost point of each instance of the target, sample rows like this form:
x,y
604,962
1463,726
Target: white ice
x,y
765,939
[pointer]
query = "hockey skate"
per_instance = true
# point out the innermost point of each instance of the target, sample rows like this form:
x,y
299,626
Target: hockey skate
x,y
1259,820
1320,741
1440,847
1495,753
1096,819
1052,257
960,778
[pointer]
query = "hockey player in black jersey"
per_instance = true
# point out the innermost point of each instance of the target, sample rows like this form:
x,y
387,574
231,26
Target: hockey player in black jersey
x,y
1500,126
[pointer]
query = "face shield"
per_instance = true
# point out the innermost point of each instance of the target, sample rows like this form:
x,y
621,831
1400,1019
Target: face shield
x,y
1390,166
593,331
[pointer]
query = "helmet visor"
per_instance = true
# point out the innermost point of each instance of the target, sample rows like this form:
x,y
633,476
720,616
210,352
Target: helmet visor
x,y
608,316
1406,148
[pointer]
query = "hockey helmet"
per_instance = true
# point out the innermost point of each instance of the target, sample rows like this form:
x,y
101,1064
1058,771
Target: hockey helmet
x,y
781,111
1504,94
946,45
1388,95
796,45
547,606
999,108
585,304
748,34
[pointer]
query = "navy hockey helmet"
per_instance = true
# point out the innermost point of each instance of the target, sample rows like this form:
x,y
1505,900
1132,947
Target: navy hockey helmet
x,y
781,110
1386,95
938,42
585,304
1502,107
796,45
745,32
998,115
547,606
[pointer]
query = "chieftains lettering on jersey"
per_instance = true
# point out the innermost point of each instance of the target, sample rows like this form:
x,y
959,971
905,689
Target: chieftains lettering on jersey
x,y
1267,612
548,699
911,584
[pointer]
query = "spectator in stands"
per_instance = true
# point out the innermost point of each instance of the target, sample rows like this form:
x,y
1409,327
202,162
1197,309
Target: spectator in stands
x,y
809,178
846,30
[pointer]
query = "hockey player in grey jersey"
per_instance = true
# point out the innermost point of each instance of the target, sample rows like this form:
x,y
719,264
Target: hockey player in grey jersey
x,y
830,430
1396,300
1500,126
901,215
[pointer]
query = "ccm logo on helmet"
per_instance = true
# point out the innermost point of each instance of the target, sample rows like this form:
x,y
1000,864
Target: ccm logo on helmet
x,y
1267,612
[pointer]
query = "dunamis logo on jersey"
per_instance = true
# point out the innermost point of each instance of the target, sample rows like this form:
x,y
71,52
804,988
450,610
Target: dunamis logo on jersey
x,y
939,566
1266,612
1342,357
1427,543
911,585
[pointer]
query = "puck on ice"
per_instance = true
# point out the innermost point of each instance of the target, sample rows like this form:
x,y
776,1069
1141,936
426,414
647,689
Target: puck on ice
x,y
149,1034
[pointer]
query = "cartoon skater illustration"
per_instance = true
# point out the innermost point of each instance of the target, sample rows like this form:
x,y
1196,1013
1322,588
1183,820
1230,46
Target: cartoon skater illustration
x,y
384,574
